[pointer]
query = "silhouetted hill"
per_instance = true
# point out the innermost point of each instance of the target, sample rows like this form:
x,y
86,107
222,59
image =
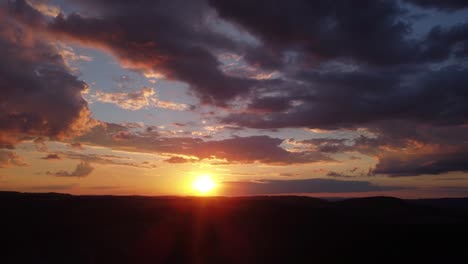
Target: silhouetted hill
x,y
61,228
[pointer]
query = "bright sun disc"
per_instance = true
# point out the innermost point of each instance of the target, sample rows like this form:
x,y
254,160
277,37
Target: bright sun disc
x,y
204,184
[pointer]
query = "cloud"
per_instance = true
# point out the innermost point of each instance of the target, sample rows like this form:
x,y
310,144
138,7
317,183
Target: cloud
x,y
40,144
52,157
287,174
70,57
404,149
107,159
76,145
450,5
10,158
176,124
325,49
122,136
325,30
55,187
104,187
334,68
423,108
327,145
351,70
181,50
350,173
39,96
170,105
130,101
349,100
44,7
400,164
321,44
145,97
301,187
262,149
338,175
179,160
83,169
379,34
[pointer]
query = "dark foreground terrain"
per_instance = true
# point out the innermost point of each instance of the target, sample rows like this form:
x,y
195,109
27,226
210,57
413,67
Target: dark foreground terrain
x,y
56,228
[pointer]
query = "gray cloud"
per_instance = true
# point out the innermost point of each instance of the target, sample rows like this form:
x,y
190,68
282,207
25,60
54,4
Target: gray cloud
x,y
449,5
10,158
83,169
39,95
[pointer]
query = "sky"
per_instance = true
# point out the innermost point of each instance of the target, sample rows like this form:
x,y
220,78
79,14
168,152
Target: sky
x,y
321,98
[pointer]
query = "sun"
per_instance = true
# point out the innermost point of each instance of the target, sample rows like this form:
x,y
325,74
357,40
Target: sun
x,y
204,184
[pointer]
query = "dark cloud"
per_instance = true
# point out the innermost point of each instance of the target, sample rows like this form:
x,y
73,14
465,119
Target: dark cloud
x,y
441,42
270,104
351,69
301,186
182,49
422,163
83,169
370,31
440,4
339,100
353,172
327,145
52,157
406,149
335,174
351,62
373,34
39,96
427,115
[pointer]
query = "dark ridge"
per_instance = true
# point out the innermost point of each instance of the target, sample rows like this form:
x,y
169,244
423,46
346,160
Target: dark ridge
x,y
60,228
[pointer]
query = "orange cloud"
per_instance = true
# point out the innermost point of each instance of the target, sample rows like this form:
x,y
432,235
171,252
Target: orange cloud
x,y
145,97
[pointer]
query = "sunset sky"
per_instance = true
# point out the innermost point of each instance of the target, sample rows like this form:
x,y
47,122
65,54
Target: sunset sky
x,y
322,98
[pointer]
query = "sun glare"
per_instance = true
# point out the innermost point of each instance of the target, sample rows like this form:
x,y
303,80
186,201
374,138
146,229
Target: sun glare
x,y
203,184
